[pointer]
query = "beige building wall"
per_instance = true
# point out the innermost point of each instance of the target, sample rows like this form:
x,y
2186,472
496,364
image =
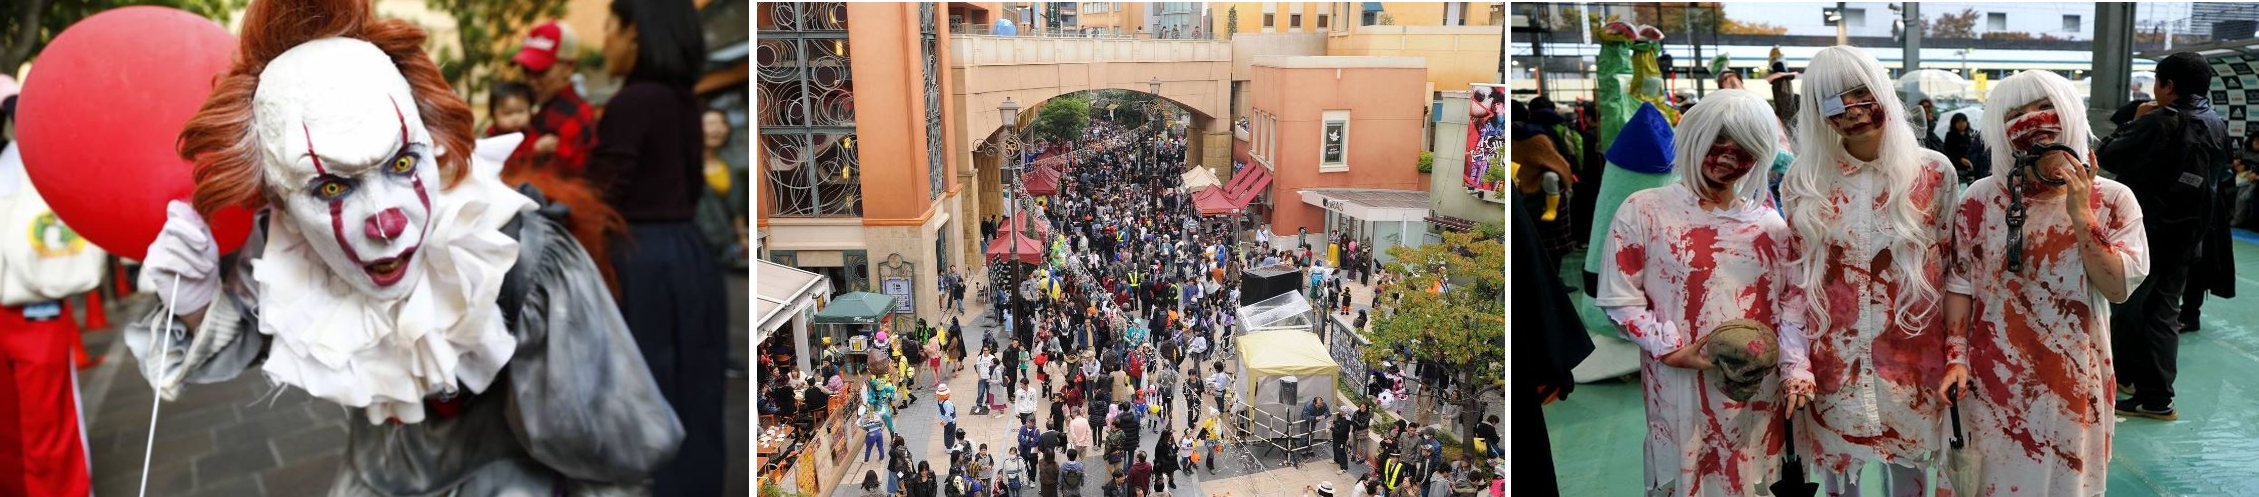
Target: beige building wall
x,y
1110,17
1457,56
1282,16
1434,13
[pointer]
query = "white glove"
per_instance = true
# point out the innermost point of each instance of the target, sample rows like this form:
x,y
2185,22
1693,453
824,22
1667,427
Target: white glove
x,y
184,250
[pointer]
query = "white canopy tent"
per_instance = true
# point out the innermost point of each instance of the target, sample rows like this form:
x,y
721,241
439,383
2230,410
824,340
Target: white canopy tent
x,y
1200,177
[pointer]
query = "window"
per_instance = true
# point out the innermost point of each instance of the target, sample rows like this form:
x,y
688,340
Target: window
x,y
1333,142
1856,17
2071,24
1267,19
1996,21
1270,138
1321,21
807,115
1294,21
1454,14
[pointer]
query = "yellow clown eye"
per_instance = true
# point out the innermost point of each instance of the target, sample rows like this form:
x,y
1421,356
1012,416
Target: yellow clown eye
x,y
404,164
330,189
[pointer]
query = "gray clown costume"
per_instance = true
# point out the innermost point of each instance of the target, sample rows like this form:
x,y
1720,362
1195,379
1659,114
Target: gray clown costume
x,y
576,407
504,369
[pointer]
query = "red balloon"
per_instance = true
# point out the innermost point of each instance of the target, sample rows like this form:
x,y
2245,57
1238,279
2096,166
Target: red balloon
x,y
97,122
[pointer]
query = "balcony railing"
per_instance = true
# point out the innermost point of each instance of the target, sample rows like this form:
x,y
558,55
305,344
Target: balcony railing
x,y
1025,32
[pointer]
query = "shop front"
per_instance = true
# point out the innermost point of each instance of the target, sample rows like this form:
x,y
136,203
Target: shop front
x,y
1380,219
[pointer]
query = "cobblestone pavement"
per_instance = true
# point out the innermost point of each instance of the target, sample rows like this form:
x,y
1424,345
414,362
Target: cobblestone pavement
x,y
243,438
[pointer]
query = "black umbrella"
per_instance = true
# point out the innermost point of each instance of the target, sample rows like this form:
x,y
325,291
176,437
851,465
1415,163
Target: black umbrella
x,y
1792,482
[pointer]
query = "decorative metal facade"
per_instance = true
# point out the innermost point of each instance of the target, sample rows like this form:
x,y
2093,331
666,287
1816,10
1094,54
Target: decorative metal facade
x,y
807,112
934,161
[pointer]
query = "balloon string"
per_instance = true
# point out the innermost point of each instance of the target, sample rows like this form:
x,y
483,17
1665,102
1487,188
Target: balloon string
x,y
148,450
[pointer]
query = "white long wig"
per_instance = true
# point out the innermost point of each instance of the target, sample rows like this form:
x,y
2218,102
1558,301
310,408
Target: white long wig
x,y
1745,118
1805,188
2023,89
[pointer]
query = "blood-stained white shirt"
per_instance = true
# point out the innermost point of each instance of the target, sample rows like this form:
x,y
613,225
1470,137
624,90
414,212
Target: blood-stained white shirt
x,y
2039,411
1872,374
1671,273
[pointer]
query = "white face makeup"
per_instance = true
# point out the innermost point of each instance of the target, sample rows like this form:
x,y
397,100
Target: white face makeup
x,y
347,161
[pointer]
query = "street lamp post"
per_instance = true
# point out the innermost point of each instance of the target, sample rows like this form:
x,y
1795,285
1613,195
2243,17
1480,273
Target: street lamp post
x,y
1012,166
1154,109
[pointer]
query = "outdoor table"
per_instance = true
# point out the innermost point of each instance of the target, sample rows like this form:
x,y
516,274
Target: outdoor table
x,y
774,439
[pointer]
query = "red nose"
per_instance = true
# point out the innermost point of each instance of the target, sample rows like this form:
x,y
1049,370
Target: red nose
x,y
386,225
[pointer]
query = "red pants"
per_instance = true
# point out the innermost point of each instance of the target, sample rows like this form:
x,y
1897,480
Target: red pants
x,y
42,451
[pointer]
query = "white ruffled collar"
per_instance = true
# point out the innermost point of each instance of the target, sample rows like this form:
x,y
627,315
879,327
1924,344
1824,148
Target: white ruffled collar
x,y
387,356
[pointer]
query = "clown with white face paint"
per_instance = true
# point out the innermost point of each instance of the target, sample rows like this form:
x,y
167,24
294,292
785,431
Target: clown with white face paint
x,y
2040,250
1870,210
1683,261
395,274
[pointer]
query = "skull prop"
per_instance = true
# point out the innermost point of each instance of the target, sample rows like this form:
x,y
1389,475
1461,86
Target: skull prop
x,y
1744,352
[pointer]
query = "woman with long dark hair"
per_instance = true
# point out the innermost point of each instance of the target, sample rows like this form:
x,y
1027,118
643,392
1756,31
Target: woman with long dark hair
x,y
649,159
1964,149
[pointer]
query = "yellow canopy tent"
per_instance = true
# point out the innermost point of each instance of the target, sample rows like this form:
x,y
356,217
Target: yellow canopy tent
x,y
1281,370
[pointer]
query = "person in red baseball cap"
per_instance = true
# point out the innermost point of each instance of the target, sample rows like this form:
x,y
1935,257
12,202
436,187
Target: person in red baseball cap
x,y
563,130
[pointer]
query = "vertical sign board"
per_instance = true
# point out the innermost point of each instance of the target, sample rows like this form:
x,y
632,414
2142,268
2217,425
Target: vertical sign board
x,y
902,291
1486,136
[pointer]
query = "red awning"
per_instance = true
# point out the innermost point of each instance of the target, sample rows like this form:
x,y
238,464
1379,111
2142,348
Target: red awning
x,y
1041,182
1213,201
1247,184
1013,224
1028,250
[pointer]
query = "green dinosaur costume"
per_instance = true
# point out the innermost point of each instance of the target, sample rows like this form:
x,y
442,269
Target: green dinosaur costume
x,y
1617,58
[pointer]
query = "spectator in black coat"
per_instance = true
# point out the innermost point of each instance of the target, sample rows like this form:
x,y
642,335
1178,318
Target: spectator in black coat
x,y
1551,340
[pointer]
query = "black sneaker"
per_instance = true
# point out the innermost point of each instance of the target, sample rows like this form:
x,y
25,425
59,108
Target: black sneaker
x,y
2130,407
2190,327
2125,389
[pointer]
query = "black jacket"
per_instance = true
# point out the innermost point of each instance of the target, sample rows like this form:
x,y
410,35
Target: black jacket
x,y
2168,158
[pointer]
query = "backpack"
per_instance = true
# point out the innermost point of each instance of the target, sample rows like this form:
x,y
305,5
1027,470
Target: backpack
x,y
2171,172
1070,475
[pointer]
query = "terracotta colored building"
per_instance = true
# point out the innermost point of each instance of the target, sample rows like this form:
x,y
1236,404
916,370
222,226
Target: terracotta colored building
x,y
854,175
1324,126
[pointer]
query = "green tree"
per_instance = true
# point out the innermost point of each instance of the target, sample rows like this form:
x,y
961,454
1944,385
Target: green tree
x,y
1460,328
1960,26
1062,118
27,25
1231,22
487,34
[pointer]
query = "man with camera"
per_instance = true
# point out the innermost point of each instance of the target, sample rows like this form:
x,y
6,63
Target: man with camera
x,y
2166,156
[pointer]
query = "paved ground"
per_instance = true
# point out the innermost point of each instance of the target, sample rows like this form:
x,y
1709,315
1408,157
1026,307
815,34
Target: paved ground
x,y
1597,433
1240,472
244,439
